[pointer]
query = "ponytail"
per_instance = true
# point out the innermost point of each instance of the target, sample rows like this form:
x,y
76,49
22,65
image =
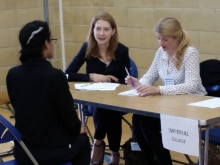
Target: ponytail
x,y
183,44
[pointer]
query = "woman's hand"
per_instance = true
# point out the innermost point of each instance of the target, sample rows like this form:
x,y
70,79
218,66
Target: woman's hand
x,y
98,77
146,90
83,130
112,78
102,78
132,82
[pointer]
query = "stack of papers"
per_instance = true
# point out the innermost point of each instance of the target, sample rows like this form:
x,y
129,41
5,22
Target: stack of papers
x,y
132,92
97,86
211,103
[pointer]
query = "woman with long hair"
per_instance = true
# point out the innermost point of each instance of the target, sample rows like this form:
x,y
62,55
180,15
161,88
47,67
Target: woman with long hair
x,y
176,63
105,60
43,104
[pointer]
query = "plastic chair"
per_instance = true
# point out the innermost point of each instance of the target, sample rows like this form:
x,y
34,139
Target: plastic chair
x,y
210,75
9,133
133,69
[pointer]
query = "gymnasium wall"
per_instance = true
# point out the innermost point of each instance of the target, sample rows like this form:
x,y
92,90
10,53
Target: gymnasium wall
x,y
135,19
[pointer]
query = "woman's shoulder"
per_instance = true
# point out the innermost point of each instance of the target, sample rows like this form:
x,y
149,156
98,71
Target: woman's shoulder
x,y
121,46
84,45
55,74
121,49
190,50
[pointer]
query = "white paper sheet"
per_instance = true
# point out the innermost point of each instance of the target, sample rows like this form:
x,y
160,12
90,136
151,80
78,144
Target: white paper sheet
x,y
97,86
132,92
211,103
180,134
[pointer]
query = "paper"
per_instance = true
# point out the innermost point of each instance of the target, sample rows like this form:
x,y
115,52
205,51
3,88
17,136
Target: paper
x,y
135,146
180,134
211,103
132,92
97,86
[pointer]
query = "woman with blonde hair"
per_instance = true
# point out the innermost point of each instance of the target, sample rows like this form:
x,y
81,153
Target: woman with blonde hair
x,y
106,60
176,63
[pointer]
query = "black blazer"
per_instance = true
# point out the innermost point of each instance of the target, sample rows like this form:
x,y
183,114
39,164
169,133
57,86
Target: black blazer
x,y
94,65
43,104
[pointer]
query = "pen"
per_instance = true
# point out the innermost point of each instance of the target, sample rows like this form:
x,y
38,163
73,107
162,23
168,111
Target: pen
x,y
86,85
129,75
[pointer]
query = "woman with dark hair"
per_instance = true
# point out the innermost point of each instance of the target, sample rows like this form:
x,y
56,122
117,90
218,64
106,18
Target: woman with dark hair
x,y
43,104
105,60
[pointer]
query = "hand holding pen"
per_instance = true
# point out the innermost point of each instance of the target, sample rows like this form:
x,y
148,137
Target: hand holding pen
x,y
131,81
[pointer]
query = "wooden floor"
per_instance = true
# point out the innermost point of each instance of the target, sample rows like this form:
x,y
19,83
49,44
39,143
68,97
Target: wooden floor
x,y
126,135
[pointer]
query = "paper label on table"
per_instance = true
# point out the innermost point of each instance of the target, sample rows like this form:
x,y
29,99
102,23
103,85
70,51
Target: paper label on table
x,y
210,103
135,146
97,86
180,134
168,80
132,92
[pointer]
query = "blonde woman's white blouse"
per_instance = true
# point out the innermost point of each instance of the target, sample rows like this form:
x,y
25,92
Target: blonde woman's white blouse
x,y
186,80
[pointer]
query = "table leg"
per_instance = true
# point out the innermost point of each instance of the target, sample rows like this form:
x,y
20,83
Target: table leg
x,y
81,115
206,148
200,147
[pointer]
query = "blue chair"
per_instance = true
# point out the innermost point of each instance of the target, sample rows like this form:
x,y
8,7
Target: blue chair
x,y
9,133
133,69
210,75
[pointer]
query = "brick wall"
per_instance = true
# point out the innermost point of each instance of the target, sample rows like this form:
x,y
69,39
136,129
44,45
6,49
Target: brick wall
x,y
13,15
135,19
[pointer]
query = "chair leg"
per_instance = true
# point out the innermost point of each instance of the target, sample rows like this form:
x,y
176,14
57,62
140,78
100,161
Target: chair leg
x,y
127,122
89,132
189,160
6,153
11,110
8,107
1,161
180,162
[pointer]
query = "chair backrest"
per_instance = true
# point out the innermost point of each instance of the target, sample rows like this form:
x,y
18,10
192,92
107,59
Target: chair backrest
x,y
133,69
8,133
210,75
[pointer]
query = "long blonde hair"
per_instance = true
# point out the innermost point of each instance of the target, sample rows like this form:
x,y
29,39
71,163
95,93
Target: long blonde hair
x,y
171,27
93,49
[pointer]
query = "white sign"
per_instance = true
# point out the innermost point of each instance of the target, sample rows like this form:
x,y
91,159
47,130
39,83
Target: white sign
x,y
180,134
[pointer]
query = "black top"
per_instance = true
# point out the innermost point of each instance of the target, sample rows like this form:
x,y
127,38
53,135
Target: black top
x,y
43,104
94,65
